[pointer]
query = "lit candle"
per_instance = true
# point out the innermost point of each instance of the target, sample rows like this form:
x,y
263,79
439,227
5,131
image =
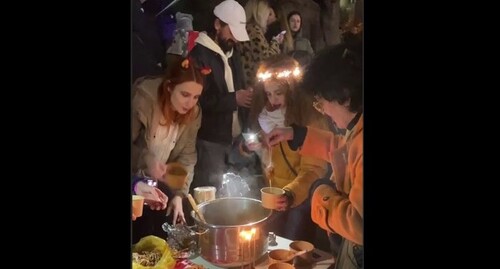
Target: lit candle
x,y
246,236
252,235
249,250
241,246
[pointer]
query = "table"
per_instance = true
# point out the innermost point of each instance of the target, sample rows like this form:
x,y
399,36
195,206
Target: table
x,y
322,259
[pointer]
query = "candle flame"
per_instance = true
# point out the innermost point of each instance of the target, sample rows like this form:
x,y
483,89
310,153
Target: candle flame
x,y
247,235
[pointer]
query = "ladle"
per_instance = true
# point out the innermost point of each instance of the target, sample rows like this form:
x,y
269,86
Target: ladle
x,y
195,208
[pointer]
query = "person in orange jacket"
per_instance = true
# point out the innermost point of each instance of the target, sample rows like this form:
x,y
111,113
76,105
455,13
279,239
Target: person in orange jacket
x,y
335,80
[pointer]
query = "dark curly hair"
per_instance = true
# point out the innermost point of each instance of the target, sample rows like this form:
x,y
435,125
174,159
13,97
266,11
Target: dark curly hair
x,y
335,74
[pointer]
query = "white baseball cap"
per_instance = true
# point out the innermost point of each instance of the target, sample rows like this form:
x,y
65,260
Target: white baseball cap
x,y
232,13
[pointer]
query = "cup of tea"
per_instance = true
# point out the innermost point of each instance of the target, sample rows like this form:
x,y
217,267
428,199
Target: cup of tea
x,y
175,176
303,259
270,195
204,194
137,205
281,256
281,265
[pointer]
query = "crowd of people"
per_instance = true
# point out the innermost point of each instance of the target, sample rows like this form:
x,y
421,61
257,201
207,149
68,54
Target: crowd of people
x,y
252,69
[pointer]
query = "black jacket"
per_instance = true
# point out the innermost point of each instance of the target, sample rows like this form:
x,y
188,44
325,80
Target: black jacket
x,y
216,102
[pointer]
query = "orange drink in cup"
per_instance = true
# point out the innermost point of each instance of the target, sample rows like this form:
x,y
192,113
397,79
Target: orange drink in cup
x,y
137,205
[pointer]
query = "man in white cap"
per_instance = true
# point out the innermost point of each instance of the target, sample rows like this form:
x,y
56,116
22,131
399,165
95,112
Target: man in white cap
x,y
224,102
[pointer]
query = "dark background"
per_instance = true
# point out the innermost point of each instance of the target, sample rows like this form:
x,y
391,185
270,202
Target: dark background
x,y
67,136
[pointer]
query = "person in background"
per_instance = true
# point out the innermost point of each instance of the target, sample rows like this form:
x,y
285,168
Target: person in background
x,y
273,22
294,20
165,122
311,20
278,103
334,78
225,100
302,50
259,15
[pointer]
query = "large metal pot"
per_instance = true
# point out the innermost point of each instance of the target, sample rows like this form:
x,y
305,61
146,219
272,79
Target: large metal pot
x,y
235,236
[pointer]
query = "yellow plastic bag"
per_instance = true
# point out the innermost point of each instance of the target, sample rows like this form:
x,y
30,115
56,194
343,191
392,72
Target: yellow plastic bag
x,y
150,243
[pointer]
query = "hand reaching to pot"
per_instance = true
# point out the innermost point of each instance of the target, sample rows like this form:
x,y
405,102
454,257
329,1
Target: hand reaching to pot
x,y
279,134
176,206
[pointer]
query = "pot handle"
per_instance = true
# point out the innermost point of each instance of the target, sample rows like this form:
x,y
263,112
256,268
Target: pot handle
x,y
194,228
197,228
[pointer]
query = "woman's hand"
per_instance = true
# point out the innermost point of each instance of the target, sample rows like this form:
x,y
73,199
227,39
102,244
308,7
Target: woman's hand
x,y
176,206
156,169
279,134
253,146
282,203
280,37
154,197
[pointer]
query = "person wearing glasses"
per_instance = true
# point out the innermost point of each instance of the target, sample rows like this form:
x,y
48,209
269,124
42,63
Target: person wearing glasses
x,y
334,78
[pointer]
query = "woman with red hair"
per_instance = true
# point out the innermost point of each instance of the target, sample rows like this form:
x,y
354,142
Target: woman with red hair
x,y
165,122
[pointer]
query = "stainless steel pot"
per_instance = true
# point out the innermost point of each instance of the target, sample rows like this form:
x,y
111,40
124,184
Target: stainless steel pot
x,y
235,236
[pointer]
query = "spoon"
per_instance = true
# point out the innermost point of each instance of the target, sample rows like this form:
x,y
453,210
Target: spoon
x,y
195,207
292,255
270,166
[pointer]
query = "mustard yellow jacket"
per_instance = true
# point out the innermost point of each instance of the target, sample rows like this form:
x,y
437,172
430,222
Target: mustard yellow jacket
x,y
339,210
308,168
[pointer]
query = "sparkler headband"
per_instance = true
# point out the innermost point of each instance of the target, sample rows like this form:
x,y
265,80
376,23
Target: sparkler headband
x,y
284,74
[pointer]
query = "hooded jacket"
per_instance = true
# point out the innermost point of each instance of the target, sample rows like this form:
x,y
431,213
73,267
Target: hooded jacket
x,y
217,102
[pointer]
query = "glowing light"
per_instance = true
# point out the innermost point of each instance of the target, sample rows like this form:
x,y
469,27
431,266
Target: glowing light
x,y
282,74
264,76
247,235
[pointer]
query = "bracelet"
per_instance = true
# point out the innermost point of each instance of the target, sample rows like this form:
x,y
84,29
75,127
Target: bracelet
x,y
137,179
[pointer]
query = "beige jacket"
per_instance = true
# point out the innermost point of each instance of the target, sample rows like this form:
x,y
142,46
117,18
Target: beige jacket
x,y
145,120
